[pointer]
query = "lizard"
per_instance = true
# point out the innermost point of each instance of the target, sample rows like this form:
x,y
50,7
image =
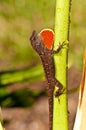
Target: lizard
x,y
46,57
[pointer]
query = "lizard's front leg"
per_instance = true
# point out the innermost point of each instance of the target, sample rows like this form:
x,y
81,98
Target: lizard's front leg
x,y
58,49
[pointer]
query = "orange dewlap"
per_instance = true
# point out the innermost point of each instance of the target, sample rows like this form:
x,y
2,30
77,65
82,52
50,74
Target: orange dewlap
x,y
47,36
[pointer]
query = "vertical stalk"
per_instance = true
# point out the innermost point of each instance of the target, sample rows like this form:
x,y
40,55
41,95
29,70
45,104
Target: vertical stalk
x,y
60,110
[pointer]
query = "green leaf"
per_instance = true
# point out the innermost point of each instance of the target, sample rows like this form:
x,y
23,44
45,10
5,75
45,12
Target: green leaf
x,y
30,75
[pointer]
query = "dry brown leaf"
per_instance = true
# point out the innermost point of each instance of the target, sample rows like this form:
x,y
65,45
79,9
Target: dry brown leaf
x,y
80,121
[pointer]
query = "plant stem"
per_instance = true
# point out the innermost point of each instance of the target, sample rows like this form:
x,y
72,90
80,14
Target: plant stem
x,y
60,110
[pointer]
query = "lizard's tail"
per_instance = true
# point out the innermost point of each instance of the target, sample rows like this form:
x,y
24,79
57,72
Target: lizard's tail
x,y
50,99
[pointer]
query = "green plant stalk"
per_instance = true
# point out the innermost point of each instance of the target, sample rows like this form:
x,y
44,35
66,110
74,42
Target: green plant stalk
x,y
60,110
31,74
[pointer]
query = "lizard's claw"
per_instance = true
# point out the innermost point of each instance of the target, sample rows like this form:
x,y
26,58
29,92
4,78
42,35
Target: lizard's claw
x,y
62,45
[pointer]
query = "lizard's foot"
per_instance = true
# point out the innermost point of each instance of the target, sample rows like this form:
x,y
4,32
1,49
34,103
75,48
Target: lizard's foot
x,y
59,92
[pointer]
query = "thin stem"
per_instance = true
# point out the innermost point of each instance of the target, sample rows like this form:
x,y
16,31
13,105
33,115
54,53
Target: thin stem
x,y
60,110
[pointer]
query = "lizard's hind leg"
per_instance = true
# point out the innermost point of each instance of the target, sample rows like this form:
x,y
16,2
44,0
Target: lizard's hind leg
x,y
60,88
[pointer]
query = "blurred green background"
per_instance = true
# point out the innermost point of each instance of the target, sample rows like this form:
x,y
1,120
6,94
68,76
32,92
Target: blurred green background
x,y
18,61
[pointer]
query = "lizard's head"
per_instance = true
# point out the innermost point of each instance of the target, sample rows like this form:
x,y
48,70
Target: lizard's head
x,y
35,40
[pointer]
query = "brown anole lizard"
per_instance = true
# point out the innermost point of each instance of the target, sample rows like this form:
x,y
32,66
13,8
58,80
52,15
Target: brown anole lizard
x,y
48,65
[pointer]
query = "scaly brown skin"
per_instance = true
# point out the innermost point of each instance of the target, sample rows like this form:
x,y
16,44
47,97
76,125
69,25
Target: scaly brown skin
x,y
48,65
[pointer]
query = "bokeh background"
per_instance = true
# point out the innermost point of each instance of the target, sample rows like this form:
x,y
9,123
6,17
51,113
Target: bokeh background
x,y
22,88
